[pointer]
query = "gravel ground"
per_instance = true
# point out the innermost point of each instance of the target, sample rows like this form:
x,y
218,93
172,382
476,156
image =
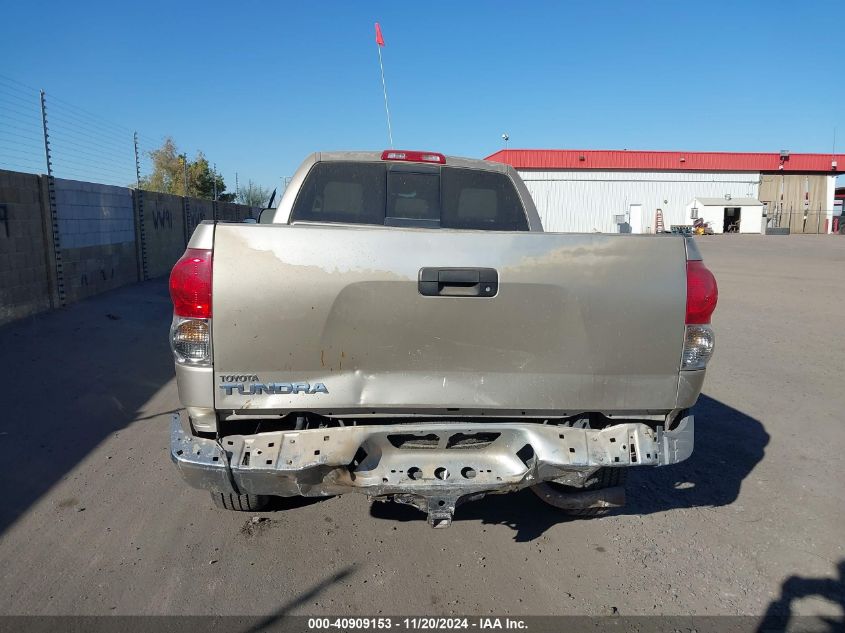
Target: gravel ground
x,y
96,521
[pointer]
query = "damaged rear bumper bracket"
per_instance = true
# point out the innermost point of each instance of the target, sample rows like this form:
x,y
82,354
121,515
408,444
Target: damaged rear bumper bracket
x,y
433,466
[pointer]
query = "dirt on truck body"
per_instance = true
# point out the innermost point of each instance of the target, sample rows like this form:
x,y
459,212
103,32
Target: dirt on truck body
x,y
402,327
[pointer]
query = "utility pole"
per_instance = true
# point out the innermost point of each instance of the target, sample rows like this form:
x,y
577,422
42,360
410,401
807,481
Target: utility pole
x,y
237,187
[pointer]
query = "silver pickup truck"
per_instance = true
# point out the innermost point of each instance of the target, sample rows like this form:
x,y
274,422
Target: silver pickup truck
x,y
401,326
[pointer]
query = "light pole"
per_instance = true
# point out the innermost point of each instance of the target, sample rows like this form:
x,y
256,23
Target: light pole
x,y
506,138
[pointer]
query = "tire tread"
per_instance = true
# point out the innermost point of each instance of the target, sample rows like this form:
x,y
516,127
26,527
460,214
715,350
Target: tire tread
x,y
239,503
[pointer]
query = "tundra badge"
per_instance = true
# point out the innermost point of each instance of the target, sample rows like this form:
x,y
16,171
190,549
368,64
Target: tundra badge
x,y
277,388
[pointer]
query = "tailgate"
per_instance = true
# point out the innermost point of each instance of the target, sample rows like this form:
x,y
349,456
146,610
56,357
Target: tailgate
x,y
335,319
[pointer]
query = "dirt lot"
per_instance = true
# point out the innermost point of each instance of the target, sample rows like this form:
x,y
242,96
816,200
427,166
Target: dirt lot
x,y
95,520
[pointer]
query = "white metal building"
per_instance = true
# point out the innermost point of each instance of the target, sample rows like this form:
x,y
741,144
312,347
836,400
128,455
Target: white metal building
x,y
621,191
739,215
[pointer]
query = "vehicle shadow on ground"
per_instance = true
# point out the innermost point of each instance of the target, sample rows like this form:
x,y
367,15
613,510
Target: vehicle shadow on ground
x,y
271,621
728,445
78,374
284,504
521,511
779,616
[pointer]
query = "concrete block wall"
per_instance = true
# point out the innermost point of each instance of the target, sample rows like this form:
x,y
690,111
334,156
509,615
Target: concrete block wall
x,y
90,214
24,278
225,212
197,211
96,237
90,270
163,231
107,237
231,212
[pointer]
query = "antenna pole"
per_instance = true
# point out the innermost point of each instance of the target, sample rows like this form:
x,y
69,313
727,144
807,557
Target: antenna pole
x,y
384,89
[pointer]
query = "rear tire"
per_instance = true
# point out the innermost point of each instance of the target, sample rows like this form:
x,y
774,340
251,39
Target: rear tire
x,y
240,503
602,478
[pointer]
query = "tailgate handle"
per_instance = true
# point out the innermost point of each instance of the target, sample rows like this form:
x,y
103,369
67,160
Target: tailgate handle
x,y
458,282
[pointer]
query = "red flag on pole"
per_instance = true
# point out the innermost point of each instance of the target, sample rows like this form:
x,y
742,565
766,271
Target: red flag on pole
x,y
380,42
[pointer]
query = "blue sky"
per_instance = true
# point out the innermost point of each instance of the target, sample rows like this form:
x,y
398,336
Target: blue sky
x,y
257,86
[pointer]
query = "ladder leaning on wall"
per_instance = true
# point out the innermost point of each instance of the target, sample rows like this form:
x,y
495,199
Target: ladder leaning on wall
x,y
658,221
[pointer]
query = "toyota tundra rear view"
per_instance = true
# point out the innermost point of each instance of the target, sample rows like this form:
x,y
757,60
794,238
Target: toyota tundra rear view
x,y
401,326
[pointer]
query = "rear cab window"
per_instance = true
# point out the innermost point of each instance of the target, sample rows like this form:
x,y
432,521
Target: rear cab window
x,y
403,194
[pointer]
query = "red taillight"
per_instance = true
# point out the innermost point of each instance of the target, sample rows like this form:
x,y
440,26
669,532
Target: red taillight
x,y
702,293
413,157
190,285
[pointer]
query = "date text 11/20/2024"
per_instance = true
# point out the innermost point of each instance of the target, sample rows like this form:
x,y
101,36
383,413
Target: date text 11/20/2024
x,y
415,623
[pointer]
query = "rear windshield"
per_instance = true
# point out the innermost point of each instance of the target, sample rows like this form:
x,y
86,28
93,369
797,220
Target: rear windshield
x,y
402,194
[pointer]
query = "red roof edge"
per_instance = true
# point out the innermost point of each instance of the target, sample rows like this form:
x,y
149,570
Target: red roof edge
x,y
669,161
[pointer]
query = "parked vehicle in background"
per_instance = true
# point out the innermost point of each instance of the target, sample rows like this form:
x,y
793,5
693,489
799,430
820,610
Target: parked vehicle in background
x,y
401,326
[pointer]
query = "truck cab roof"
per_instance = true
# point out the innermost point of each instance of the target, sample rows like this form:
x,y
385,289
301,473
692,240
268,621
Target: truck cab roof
x,y
282,213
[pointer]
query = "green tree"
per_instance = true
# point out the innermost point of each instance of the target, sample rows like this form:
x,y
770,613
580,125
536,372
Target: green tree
x,y
202,179
168,175
254,195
